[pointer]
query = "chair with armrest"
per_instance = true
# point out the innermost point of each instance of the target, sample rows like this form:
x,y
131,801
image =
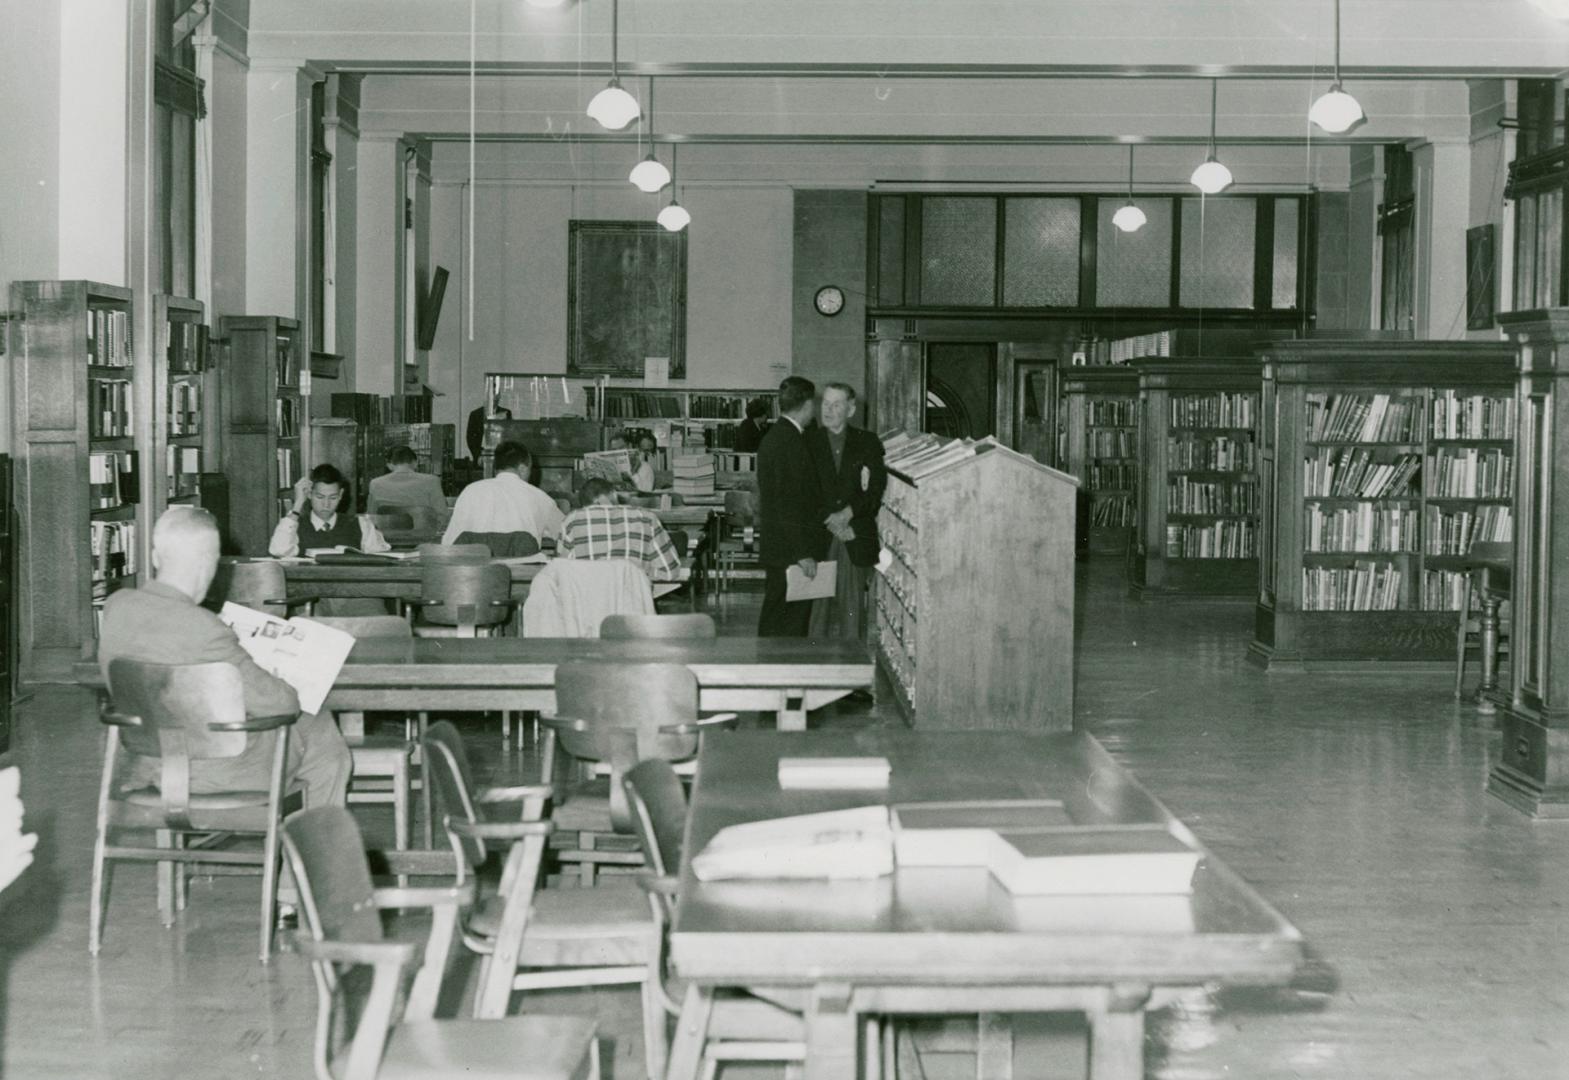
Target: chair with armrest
x,y
187,719
260,585
609,716
664,627
534,940
734,539
341,911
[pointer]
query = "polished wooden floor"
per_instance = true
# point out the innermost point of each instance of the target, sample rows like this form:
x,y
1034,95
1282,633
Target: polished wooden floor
x,y
1355,804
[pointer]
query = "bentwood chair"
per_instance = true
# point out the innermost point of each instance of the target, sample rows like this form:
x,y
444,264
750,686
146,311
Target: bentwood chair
x,y
535,940
341,910
260,585
184,720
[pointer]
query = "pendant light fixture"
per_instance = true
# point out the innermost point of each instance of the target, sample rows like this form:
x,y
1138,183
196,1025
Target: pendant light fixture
x,y
613,108
1129,218
650,174
1211,177
674,216
1336,111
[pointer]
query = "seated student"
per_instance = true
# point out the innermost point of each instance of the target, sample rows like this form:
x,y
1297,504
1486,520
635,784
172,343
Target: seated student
x,y
405,487
163,623
323,527
505,503
643,474
749,432
601,529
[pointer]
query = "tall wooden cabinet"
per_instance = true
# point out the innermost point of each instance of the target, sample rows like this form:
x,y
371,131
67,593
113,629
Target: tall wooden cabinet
x,y
962,640
262,445
184,390
1101,417
1374,457
1532,769
1198,482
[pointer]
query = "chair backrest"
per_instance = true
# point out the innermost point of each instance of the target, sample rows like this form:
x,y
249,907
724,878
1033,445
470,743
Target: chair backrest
x,y
368,626
176,703
501,545
423,518
256,585
623,706
685,625
452,781
740,506
658,805
387,518
466,593
680,541
429,553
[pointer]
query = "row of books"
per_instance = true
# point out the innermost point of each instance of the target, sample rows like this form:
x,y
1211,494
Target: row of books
x,y
717,406
109,337
1113,443
111,413
1470,473
112,479
1115,511
185,407
113,547
288,363
187,351
641,405
287,411
1453,532
1185,496
736,462
1116,477
1473,416
1227,539
1137,347
1364,586
183,471
692,474
1443,590
372,410
288,466
1362,528
1113,412
1219,454
1363,418
1219,410
1357,474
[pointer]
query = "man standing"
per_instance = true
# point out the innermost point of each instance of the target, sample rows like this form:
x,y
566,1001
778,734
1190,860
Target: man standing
x,y
790,510
505,503
849,464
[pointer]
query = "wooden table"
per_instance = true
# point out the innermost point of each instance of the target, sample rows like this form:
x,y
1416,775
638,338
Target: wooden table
x,y
401,580
779,675
1491,570
952,940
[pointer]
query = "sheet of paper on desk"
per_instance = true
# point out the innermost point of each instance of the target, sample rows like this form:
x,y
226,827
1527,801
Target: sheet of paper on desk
x,y
800,587
302,652
833,773
964,833
854,843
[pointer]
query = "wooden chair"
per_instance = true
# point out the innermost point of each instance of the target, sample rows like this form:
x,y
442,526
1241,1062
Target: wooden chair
x,y
421,518
623,627
388,760
565,937
429,553
341,911
178,715
387,519
464,598
501,545
735,539
741,1027
260,585
610,716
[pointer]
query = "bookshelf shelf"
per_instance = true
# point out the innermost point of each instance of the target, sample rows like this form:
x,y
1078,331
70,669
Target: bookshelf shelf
x,y
261,400
1374,574
1101,425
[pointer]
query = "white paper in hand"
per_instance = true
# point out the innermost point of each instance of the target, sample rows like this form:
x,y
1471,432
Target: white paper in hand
x,y
303,653
800,587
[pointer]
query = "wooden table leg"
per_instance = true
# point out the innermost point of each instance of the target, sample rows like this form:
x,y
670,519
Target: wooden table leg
x,y
686,1051
1489,684
792,716
831,1034
994,1047
1117,1036
352,724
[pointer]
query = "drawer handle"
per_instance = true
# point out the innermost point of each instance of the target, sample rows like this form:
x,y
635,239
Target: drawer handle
x,y
1523,748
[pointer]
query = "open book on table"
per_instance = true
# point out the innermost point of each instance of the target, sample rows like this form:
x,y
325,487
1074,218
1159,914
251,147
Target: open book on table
x,y
302,652
347,553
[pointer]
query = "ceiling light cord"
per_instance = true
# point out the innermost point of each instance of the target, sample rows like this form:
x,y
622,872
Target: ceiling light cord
x,y
1337,42
615,41
1130,172
1214,97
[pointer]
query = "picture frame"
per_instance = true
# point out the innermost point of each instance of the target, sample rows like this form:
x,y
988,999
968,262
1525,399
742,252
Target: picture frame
x,y
1481,278
626,298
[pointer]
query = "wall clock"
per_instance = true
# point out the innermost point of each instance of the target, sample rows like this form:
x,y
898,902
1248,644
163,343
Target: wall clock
x,y
829,300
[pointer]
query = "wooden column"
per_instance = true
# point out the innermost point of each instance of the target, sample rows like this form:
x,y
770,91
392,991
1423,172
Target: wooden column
x,y
1532,770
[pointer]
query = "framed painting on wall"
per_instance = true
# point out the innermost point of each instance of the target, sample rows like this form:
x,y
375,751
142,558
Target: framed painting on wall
x,y
1481,285
626,298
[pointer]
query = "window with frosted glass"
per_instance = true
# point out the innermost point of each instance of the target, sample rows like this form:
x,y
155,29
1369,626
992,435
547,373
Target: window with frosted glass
x,y
959,251
1217,252
1040,252
1283,277
890,250
1133,269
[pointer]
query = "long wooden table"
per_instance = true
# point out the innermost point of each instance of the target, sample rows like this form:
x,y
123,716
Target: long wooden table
x,y
949,940
400,580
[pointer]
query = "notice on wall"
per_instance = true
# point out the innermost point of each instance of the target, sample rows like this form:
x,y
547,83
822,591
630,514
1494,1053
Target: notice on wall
x,y
656,371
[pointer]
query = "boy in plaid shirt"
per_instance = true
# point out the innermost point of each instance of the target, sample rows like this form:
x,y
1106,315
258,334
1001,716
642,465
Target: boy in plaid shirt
x,y
601,529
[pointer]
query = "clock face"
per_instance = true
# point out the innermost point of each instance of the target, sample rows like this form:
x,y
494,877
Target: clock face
x,y
829,300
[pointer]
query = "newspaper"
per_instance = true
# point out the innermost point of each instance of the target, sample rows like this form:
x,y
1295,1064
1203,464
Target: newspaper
x,y
302,652
612,465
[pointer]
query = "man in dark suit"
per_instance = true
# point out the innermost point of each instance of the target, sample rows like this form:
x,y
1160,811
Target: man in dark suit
x,y
790,510
849,464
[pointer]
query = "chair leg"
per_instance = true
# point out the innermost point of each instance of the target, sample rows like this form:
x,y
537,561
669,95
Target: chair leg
x,y
269,896
1460,637
181,874
656,1047
424,788
506,731
400,811
98,902
164,838
593,1059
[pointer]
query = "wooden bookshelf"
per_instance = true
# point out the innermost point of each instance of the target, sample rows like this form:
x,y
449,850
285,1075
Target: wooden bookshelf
x,y
357,450
182,393
1355,446
263,421
1198,483
554,446
960,638
1101,404
80,402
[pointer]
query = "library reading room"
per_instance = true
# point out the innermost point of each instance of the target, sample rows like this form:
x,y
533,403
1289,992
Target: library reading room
x,y
691,539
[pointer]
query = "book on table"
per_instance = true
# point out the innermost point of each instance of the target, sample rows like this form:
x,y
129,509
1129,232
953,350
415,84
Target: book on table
x,y
833,773
962,833
302,652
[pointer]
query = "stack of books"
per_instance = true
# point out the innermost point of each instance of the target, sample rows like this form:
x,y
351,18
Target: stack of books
x,y
692,474
183,471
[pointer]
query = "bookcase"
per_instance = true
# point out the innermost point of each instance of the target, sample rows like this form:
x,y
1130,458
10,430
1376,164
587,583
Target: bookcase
x,y
1198,482
554,445
433,444
1102,449
8,583
973,606
79,415
1380,462
262,451
541,397
182,392
357,450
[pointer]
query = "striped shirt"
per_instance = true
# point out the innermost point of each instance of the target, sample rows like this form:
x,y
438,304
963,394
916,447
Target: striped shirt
x,y
620,532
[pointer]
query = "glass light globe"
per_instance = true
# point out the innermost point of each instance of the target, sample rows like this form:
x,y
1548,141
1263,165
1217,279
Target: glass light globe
x,y
674,217
1336,111
649,175
1211,177
1129,218
613,108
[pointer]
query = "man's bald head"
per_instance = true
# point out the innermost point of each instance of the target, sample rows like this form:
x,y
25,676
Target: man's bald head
x,y
185,550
